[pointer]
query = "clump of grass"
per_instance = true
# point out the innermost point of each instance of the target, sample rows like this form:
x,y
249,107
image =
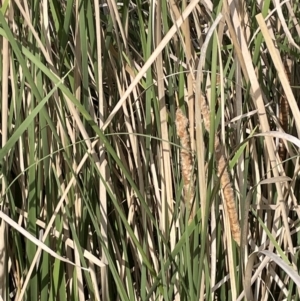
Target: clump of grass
x,y
89,155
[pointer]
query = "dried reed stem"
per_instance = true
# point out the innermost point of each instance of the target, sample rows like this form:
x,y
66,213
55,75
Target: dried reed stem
x,y
284,112
186,161
224,177
283,119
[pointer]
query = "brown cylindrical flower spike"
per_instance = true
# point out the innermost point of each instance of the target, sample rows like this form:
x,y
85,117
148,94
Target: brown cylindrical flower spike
x,y
186,160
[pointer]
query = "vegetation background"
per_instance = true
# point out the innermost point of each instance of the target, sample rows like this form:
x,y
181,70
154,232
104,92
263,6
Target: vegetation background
x,y
150,150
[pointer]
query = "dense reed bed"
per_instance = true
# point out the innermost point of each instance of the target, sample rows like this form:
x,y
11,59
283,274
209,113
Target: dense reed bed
x,y
149,150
